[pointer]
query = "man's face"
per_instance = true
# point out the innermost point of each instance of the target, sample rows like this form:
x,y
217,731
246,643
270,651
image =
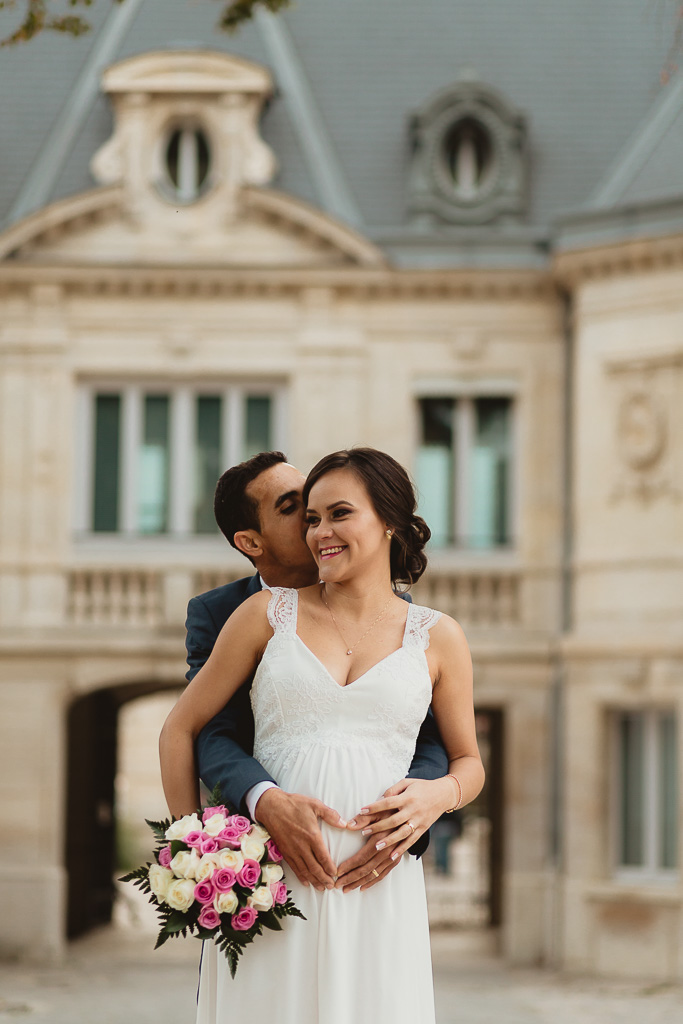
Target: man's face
x,y
277,492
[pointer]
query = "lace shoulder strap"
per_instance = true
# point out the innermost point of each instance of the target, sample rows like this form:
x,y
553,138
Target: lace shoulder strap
x,y
420,620
282,610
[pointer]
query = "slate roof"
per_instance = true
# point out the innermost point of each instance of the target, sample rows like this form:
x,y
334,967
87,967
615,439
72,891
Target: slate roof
x,y
585,74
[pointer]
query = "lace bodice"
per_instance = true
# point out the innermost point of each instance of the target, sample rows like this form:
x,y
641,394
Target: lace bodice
x,y
298,705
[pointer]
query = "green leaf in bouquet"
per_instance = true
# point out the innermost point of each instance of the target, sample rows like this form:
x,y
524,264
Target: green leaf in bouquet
x,y
269,920
177,845
233,957
139,876
162,937
177,922
216,798
159,828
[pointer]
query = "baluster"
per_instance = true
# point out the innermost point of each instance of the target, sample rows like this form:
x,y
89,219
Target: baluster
x,y
466,597
116,598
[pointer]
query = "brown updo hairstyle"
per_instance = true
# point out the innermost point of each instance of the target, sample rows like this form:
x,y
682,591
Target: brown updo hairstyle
x,y
393,497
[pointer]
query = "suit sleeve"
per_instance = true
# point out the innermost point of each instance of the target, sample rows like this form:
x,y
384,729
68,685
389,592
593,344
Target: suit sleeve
x,y
430,761
223,747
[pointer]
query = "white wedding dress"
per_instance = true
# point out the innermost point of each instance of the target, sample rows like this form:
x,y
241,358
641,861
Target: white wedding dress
x,y
359,957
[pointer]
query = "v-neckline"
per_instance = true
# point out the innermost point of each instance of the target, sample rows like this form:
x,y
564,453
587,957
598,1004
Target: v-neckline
x,y
345,686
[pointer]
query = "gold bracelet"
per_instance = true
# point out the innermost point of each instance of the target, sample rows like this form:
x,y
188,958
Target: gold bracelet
x,y
455,779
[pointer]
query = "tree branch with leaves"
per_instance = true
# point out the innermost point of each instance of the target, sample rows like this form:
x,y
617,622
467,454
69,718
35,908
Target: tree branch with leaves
x,y
67,16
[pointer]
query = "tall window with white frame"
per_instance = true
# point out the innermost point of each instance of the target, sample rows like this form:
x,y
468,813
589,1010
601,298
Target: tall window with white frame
x,y
464,470
154,455
646,794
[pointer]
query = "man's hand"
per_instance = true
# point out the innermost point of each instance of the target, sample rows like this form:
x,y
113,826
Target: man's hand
x,y
292,821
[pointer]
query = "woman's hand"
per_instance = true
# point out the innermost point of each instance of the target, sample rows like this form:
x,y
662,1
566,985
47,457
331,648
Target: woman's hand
x,y
405,812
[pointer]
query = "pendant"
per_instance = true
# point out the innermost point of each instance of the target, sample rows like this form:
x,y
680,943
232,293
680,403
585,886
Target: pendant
x,y
348,652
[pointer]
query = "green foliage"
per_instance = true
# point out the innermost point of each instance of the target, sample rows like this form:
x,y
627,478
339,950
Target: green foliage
x,y
236,13
40,15
159,829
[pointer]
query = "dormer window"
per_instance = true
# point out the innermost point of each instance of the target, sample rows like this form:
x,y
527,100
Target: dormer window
x,y
468,157
468,162
187,160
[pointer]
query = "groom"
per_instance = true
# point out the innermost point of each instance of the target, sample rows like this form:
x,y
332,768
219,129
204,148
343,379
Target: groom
x,y
258,507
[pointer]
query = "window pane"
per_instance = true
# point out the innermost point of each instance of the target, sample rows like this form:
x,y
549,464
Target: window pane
x,y
154,465
435,466
490,474
106,470
631,766
207,462
257,436
668,791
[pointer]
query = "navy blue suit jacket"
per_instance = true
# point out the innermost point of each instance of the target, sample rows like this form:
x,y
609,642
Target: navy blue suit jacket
x,y
225,745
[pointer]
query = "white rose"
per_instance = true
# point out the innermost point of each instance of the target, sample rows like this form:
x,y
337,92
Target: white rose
x,y
185,864
206,867
271,873
261,899
258,832
180,893
159,880
233,859
180,828
226,902
253,849
215,824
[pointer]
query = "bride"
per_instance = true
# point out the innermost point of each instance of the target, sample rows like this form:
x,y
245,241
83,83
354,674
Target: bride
x,y
344,673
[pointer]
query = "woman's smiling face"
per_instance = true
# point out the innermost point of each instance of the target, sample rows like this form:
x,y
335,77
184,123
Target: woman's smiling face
x,y
344,533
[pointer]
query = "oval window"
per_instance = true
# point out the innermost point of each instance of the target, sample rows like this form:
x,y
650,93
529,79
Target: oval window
x,y
187,162
468,155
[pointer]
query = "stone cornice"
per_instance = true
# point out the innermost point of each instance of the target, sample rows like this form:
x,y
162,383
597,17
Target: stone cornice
x,y
367,283
619,259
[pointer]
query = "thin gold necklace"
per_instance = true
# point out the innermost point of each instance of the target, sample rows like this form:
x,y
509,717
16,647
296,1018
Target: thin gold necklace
x,y
368,630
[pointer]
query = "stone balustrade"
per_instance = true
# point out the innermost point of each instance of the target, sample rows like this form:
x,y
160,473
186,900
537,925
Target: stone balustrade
x,y
133,598
115,597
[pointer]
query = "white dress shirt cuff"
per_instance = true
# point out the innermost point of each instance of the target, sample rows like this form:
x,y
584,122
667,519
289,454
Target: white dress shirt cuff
x,y
254,795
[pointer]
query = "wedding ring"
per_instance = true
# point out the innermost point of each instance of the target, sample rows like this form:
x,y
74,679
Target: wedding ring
x,y
375,872
412,827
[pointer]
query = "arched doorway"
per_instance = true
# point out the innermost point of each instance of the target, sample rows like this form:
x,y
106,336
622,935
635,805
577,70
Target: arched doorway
x,y
90,841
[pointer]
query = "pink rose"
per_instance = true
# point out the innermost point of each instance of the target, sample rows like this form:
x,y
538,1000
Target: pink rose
x,y
165,856
241,823
229,836
223,879
205,891
249,874
279,891
209,918
210,811
193,838
244,919
208,845
273,852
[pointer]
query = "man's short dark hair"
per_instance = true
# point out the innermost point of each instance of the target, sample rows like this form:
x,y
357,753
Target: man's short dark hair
x,y
233,508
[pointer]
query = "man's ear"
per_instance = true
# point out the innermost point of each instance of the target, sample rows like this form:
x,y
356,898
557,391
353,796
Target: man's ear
x,y
249,543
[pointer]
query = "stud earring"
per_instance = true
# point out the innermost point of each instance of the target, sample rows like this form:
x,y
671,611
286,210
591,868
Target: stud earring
x,y
388,533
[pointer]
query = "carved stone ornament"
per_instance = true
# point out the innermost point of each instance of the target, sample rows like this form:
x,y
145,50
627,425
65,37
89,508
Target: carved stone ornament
x,y
186,131
469,163
645,429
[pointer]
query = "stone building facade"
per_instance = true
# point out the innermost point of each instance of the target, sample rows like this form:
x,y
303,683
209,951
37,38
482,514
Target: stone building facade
x,y
218,288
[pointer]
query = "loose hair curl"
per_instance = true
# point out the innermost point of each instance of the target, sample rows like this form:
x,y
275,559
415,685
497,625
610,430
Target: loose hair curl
x,y
393,497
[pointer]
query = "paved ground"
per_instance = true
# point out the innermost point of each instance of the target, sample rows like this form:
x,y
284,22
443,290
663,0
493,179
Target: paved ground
x,y
114,977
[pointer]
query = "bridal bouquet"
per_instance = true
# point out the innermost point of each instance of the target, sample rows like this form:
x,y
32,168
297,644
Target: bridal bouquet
x,y
218,876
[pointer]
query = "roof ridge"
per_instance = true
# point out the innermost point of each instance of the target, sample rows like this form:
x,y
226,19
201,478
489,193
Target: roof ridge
x,y
639,148
43,175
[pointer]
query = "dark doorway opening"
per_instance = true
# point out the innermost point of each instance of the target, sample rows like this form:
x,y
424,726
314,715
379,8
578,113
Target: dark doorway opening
x,y
490,803
90,844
